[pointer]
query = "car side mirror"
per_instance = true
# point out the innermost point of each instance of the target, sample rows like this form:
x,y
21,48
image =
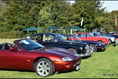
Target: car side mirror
x,y
13,48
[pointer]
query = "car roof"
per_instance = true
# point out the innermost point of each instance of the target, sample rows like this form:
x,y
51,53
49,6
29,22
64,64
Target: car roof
x,y
82,33
68,34
45,33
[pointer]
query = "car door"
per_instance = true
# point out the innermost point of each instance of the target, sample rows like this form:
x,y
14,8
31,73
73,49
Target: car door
x,y
11,59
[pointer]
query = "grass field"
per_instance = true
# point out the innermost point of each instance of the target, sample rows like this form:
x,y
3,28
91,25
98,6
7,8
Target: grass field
x,y
99,65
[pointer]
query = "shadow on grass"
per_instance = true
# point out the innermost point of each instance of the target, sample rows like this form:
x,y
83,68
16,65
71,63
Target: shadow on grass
x,y
67,71
86,57
56,73
115,45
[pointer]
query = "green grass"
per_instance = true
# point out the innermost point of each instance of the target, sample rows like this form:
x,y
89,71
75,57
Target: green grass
x,y
6,40
99,65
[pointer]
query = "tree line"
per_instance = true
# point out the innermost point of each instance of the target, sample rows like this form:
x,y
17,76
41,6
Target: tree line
x,y
16,15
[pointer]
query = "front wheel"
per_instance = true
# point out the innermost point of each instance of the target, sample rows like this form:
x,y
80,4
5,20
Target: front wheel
x,y
44,67
110,41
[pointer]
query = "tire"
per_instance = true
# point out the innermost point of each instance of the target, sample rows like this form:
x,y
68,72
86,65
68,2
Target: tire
x,y
73,51
110,41
44,67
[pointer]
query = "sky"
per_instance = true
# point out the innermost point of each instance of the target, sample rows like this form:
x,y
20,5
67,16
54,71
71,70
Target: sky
x,y
110,5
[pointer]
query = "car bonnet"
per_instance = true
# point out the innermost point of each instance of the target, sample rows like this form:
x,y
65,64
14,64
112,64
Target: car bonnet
x,y
58,51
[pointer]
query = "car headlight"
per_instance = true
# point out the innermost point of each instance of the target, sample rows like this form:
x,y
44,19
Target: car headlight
x,y
81,48
67,59
99,45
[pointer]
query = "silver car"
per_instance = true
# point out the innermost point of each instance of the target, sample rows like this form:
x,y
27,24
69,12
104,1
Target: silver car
x,y
100,34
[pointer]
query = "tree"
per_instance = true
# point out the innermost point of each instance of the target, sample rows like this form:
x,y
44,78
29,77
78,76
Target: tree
x,y
16,15
45,17
115,15
89,11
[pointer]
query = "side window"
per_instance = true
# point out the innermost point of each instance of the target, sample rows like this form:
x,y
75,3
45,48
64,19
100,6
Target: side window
x,y
48,38
66,37
87,35
83,35
6,46
37,38
79,35
92,34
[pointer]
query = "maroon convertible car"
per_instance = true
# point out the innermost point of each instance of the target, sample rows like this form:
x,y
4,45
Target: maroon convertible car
x,y
25,54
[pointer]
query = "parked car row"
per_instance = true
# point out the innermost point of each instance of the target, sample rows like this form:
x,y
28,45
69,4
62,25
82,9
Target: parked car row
x,y
48,53
98,46
58,40
81,44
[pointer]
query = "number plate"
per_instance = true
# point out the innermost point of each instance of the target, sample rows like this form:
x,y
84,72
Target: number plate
x,y
77,67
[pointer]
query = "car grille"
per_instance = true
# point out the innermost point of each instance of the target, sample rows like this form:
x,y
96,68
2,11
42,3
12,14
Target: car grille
x,y
91,49
87,50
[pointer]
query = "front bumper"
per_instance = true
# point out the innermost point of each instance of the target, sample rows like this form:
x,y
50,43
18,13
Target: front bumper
x,y
101,48
67,66
85,54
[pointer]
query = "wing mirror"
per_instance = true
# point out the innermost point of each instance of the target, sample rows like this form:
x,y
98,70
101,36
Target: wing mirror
x,y
13,48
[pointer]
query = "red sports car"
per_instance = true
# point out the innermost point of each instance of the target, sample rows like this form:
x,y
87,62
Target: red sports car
x,y
25,54
87,36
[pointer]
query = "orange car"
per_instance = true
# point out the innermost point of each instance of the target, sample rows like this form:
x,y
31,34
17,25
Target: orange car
x,y
88,36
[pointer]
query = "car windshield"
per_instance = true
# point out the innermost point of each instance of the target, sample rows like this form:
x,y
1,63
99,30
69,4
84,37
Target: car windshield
x,y
94,34
28,44
90,35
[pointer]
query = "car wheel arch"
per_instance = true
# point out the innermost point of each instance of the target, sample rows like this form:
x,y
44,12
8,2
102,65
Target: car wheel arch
x,y
100,41
38,59
72,49
110,40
